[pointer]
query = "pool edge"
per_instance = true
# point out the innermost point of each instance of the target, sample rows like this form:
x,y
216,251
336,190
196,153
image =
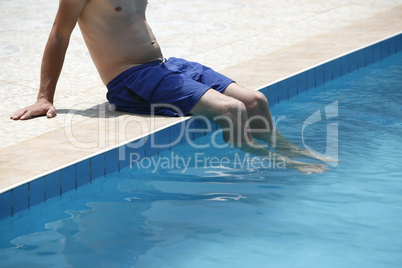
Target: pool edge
x,y
38,189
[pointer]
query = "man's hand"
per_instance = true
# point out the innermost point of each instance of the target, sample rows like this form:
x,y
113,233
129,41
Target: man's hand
x,y
41,107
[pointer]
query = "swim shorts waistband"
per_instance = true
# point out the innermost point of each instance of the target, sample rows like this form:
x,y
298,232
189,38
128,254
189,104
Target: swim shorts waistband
x,y
123,75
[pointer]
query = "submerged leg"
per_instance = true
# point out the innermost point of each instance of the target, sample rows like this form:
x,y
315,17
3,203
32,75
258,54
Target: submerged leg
x,y
261,124
232,115
289,149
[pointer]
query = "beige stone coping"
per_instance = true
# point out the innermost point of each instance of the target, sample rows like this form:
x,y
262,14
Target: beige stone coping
x,y
94,126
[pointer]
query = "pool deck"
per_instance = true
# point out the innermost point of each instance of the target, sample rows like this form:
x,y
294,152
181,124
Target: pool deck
x,y
253,42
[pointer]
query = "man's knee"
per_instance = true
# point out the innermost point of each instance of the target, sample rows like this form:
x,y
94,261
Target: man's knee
x,y
256,100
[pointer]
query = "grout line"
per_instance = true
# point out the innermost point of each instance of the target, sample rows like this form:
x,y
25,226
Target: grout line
x,y
382,56
43,174
29,195
44,189
104,162
90,170
61,185
187,118
12,202
76,176
331,59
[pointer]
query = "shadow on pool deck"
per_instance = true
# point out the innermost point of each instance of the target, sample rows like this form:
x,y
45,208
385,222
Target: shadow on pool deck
x,y
292,41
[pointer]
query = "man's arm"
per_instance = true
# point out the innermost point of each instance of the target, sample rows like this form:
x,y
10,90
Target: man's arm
x,y
53,59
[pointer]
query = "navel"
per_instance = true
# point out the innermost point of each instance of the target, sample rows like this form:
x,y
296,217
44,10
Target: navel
x,y
118,9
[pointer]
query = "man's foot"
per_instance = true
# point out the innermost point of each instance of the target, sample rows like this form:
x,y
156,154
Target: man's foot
x,y
286,148
307,168
296,151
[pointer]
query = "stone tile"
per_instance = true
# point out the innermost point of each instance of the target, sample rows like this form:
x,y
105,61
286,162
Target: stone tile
x,y
254,42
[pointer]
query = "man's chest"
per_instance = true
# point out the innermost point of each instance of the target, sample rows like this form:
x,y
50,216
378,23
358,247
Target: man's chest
x,y
121,7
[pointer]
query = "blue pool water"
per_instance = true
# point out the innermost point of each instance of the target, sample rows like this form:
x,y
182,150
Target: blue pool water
x,y
228,215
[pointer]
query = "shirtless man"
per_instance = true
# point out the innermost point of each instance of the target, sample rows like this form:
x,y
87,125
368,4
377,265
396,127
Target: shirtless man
x,y
130,62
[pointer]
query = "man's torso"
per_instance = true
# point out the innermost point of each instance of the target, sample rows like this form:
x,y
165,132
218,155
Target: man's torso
x,y
117,35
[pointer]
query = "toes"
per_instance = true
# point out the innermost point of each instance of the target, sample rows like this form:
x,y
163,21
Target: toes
x,y
51,113
17,115
26,115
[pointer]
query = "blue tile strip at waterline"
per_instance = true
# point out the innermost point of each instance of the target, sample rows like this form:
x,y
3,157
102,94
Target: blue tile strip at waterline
x,y
84,172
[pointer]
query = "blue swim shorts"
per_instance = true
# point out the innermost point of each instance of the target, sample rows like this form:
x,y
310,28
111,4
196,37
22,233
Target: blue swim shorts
x,y
171,87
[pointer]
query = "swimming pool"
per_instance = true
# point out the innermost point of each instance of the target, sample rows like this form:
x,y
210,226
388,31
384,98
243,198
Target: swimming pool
x,y
223,214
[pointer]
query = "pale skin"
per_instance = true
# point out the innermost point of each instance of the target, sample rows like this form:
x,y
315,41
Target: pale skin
x,y
118,38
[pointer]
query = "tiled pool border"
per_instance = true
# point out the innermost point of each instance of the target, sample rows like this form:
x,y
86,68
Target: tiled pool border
x,y
57,182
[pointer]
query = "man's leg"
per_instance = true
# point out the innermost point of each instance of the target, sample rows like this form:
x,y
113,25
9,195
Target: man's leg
x,y
258,110
260,120
261,125
232,115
